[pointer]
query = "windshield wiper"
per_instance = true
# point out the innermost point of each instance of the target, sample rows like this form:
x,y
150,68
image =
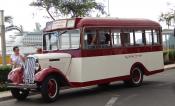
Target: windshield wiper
x,y
61,33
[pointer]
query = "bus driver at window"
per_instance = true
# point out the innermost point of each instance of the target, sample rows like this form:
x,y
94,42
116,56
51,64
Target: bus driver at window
x,y
93,42
91,38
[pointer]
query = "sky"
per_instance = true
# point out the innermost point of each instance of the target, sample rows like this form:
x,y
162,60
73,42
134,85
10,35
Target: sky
x,y
27,16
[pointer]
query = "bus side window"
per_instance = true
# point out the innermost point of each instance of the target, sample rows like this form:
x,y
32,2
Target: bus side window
x,y
104,39
128,38
139,38
148,36
156,36
90,39
125,39
116,38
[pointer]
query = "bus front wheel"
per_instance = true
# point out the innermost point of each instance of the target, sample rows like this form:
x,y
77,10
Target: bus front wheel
x,y
19,94
50,89
136,77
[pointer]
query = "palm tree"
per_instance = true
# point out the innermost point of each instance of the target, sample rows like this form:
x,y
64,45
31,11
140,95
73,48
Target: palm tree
x,y
8,19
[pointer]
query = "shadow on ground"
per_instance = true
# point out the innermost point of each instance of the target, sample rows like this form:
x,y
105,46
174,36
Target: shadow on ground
x,y
80,93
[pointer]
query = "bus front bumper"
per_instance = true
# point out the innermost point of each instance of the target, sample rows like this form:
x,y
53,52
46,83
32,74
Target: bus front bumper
x,y
21,86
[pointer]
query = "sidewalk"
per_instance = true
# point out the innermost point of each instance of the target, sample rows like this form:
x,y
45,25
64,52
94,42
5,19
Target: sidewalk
x,y
7,94
168,67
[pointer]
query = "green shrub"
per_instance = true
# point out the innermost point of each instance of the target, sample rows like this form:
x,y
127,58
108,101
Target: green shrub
x,y
172,54
165,53
4,70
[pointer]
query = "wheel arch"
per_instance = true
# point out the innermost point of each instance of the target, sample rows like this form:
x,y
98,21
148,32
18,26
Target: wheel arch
x,y
41,75
141,66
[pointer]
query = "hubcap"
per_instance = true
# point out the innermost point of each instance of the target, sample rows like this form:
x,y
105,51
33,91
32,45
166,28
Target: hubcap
x,y
52,88
136,75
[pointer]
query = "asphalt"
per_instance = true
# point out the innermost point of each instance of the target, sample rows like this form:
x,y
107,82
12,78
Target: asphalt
x,y
6,95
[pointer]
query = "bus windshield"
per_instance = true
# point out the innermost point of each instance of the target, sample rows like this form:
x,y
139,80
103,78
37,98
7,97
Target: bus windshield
x,y
61,40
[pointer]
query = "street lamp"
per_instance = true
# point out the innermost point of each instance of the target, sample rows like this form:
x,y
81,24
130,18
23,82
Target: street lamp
x,y
2,35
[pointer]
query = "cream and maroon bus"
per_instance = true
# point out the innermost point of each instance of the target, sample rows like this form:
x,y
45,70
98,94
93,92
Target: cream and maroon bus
x,y
82,52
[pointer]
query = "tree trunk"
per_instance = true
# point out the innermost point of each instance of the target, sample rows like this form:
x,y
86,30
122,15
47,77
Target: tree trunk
x,y
50,14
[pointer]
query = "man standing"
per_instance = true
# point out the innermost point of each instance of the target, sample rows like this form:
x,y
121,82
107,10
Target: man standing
x,y
16,59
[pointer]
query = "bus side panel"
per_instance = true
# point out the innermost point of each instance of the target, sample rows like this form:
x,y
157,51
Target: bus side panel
x,y
75,72
153,60
85,69
104,67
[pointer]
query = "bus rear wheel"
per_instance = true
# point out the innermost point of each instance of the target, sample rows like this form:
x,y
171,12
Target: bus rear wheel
x,y
50,89
136,77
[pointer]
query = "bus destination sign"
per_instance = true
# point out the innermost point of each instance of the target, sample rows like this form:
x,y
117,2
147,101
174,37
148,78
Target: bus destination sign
x,y
60,24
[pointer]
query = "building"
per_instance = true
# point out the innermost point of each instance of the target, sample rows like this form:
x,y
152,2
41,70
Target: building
x,y
28,42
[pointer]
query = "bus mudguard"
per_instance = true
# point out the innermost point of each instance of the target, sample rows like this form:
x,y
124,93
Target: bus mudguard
x,y
41,75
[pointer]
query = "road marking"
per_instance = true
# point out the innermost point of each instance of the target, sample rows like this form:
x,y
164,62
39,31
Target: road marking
x,y
111,101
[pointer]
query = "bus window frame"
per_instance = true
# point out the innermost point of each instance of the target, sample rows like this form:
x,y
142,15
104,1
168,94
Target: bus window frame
x,y
133,29
112,38
44,39
158,34
97,29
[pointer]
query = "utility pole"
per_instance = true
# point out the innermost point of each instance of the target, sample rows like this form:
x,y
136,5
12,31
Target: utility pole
x,y
108,9
2,35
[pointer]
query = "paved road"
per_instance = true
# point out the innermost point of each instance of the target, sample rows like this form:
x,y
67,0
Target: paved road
x,y
157,90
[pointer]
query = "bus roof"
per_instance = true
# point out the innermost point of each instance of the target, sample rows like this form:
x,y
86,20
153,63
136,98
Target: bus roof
x,y
99,22
117,22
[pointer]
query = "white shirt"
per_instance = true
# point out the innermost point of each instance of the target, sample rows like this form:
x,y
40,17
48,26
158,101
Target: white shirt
x,y
16,60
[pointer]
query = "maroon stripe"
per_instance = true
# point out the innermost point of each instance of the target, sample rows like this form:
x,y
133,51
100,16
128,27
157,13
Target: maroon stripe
x,y
109,51
145,70
89,83
102,81
154,72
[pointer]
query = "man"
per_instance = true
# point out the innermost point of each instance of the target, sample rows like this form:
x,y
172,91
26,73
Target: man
x,y
16,59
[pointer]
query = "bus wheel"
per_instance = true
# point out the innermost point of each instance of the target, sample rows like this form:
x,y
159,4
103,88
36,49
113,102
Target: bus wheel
x,y
50,89
19,94
136,77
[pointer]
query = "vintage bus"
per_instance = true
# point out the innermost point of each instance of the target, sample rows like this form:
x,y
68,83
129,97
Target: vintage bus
x,y
82,52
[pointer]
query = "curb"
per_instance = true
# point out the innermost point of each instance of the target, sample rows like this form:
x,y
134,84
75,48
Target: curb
x,y
6,98
169,68
5,95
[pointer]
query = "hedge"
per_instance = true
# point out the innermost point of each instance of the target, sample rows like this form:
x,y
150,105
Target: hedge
x,y
4,70
172,54
169,56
